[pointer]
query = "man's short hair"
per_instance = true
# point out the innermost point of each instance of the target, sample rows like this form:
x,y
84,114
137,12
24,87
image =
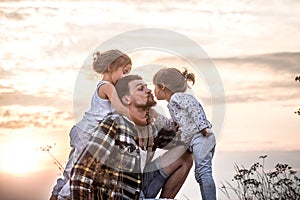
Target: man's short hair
x,y
122,85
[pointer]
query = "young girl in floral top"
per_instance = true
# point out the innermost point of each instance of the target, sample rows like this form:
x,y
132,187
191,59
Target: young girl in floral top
x,y
194,128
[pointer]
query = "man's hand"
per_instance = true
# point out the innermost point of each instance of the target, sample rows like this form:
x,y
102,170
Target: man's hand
x,y
163,138
53,197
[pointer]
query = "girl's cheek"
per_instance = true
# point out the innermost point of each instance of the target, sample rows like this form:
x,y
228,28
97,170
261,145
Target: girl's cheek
x,y
119,76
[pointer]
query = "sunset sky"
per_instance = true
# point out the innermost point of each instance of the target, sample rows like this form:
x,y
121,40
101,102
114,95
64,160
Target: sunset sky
x,y
45,45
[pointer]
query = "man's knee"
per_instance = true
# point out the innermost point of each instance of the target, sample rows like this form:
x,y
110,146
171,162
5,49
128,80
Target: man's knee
x,y
187,160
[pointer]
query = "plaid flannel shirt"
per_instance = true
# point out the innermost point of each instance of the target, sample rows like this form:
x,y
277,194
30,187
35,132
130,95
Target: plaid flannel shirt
x,y
109,166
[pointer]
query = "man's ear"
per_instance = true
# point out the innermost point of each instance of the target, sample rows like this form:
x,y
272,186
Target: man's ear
x,y
126,100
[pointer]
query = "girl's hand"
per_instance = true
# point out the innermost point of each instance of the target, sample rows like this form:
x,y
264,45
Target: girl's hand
x,y
206,132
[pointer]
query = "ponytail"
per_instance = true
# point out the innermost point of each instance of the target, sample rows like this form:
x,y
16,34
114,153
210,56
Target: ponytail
x,y
189,77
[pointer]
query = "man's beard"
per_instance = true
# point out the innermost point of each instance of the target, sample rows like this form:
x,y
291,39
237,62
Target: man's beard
x,y
141,116
150,103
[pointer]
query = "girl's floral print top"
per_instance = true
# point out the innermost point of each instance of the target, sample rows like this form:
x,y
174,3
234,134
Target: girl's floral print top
x,y
189,115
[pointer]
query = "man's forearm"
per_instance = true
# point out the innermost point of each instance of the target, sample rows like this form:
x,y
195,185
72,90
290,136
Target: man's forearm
x,y
78,193
164,122
81,182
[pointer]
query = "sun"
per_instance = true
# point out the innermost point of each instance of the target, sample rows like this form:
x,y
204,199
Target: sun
x,y
18,156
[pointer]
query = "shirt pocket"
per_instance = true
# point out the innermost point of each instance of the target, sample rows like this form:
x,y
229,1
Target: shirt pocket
x,y
126,158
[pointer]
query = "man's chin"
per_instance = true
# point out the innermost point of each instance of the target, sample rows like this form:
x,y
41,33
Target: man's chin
x,y
151,103
148,105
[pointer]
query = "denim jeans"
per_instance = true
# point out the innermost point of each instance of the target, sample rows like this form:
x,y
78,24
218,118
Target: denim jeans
x,y
203,151
154,179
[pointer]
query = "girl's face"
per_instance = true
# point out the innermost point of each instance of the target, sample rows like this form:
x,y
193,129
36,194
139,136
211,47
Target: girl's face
x,y
120,73
159,93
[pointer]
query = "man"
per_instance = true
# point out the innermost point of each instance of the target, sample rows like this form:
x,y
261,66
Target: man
x,y
111,165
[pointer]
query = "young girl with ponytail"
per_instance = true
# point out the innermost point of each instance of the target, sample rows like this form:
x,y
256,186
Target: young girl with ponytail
x,y
194,128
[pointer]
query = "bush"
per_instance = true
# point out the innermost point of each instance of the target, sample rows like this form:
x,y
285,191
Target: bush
x,y
297,112
254,183
297,78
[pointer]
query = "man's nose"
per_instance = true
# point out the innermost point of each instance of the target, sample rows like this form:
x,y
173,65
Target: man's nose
x,y
147,90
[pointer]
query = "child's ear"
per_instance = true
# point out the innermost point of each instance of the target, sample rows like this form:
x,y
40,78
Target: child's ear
x,y
126,100
109,68
163,86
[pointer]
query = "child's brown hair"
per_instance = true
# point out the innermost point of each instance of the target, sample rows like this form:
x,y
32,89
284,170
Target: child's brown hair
x,y
173,79
110,60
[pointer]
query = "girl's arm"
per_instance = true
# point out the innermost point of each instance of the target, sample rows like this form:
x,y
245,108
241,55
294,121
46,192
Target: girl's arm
x,y
108,91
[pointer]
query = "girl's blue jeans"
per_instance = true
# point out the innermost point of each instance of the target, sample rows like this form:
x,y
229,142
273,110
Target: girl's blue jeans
x,y
203,149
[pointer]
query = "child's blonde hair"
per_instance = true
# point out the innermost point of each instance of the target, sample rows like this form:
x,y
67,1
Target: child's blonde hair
x,y
110,60
173,79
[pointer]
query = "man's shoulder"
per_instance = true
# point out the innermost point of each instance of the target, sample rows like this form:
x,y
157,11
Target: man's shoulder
x,y
112,116
117,121
116,118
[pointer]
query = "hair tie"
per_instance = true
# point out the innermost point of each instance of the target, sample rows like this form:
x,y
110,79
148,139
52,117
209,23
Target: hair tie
x,y
185,74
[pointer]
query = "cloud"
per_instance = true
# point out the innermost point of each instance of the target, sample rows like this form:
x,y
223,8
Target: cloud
x,y
274,91
285,62
255,78
4,73
13,97
15,117
265,77
19,110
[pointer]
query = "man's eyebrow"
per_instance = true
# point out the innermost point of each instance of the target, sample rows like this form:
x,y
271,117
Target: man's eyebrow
x,y
138,84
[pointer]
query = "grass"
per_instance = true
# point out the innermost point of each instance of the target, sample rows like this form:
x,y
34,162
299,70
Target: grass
x,y
281,183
